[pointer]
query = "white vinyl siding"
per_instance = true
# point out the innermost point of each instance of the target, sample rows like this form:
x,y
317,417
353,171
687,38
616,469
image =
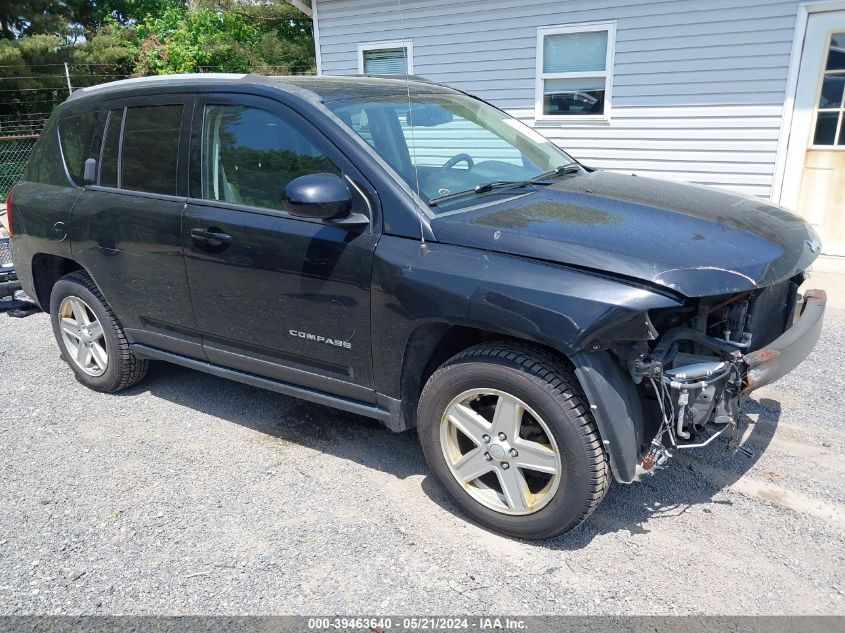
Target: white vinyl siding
x,y
698,88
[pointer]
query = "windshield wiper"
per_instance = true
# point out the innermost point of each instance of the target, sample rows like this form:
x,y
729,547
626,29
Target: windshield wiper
x,y
484,187
560,170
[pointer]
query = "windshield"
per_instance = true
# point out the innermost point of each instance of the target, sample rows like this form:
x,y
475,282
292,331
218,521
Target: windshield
x,y
449,143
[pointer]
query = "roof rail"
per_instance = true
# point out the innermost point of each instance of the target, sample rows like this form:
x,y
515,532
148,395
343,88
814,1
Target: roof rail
x,y
419,78
81,92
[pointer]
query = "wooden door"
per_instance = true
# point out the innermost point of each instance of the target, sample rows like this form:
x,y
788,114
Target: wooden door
x,y
815,183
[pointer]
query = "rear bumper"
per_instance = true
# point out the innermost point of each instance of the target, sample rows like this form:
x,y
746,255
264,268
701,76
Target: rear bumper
x,y
777,359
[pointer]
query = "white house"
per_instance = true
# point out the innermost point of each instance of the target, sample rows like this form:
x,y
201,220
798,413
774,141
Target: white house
x,y
745,94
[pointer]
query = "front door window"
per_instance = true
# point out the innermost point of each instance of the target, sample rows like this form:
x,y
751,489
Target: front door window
x,y
250,155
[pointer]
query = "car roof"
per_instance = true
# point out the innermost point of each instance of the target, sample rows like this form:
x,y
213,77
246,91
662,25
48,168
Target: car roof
x,y
344,88
314,88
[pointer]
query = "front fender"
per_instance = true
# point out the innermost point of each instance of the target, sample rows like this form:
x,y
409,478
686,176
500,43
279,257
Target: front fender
x,y
565,309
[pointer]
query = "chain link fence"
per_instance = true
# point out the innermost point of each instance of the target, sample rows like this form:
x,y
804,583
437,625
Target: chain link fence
x,y
30,94
14,155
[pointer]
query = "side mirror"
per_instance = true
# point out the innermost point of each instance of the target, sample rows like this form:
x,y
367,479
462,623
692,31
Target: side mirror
x,y
89,172
318,196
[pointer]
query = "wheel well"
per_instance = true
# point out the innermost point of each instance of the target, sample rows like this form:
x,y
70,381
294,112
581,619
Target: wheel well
x,y
46,271
432,345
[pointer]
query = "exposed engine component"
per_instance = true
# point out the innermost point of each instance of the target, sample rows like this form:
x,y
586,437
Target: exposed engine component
x,y
688,397
657,456
696,370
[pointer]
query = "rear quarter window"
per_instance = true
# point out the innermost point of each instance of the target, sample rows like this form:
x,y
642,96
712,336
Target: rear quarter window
x,y
80,139
45,162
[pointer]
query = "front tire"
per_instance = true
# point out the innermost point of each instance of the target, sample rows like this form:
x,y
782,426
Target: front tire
x,y
90,337
508,434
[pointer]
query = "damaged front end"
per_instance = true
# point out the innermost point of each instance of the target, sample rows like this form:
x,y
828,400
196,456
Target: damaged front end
x,y
713,351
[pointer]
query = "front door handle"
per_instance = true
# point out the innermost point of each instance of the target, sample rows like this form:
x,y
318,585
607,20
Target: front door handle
x,y
211,239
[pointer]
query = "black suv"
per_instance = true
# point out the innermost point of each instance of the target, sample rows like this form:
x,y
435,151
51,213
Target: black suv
x,y
406,251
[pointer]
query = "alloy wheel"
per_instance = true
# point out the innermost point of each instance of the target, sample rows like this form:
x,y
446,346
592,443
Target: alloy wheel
x,y
500,451
83,336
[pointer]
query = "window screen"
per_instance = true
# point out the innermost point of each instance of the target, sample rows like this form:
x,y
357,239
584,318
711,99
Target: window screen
x,y
80,141
150,155
386,61
250,155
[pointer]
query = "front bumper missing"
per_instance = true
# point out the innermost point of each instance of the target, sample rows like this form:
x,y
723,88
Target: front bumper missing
x,y
777,359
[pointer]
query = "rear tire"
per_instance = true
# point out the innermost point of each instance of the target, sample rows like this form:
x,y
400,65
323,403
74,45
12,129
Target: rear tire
x,y
541,478
90,336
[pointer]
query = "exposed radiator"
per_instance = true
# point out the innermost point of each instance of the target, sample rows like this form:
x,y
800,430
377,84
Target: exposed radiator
x,y
770,311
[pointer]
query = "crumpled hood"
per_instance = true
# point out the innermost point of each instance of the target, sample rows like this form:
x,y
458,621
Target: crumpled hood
x,y
698,241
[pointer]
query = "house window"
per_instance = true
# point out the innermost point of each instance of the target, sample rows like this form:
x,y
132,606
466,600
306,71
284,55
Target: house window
x,y
386,58
574,71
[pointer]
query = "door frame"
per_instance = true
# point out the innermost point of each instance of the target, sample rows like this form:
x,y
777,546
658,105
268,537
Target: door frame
x,y
793,123
235,355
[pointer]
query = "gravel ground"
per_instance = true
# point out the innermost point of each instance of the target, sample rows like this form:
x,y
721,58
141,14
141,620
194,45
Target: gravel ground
x,y
189,494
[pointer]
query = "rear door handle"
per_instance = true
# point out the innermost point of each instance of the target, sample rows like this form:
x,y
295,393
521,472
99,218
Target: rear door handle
x,y
211,240
211,235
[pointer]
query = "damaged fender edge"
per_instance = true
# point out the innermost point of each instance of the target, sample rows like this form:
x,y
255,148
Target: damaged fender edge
x,y
616,408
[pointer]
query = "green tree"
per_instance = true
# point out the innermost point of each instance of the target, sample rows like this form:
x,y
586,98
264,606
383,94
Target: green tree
x,y
102,40
31,77
226,36
75,18
92,15
23,17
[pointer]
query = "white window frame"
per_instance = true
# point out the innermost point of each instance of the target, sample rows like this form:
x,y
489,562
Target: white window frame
x,y
408,45
585,27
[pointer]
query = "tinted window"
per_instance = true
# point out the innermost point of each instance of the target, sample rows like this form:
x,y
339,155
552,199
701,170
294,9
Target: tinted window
x,y
79,136
45,165
150,155
111,149
250,155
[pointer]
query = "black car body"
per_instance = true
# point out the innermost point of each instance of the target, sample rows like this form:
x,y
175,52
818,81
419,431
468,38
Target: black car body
x,y
667,301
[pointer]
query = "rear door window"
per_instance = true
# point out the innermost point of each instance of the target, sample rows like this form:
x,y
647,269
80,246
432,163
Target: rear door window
x,y
80,139
110,153
149,159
